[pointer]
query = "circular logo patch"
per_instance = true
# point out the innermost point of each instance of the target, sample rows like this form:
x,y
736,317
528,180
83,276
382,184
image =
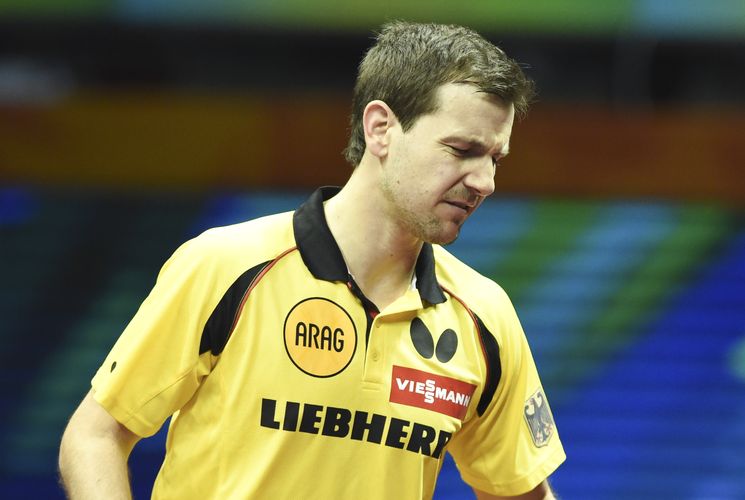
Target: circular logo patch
x,y
320,337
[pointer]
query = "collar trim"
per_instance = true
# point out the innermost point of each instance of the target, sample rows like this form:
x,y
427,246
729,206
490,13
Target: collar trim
x,y
324,260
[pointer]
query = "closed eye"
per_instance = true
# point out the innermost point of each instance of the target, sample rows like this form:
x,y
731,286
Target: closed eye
x,y
496,160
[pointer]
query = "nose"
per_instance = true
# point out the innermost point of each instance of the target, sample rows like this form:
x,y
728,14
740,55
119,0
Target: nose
x,y
480,179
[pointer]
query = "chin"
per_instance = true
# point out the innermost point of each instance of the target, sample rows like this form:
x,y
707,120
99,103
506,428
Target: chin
x,y
443,237
437,232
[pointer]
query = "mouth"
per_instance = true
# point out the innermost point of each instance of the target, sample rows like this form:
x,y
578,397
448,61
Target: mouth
x,y
466,207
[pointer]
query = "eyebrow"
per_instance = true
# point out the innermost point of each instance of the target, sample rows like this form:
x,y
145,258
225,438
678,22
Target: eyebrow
x,y
475,143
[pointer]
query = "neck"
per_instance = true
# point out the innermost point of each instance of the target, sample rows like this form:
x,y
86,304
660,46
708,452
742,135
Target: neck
x,y
378,253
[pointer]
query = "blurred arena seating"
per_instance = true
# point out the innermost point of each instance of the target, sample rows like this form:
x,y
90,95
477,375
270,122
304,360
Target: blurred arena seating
x,y
635,311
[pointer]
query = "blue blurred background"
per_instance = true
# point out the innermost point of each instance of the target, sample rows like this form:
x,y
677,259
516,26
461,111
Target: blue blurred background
x,y
618,228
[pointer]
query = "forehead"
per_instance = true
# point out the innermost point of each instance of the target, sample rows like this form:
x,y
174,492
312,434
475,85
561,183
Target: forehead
x,y
464,110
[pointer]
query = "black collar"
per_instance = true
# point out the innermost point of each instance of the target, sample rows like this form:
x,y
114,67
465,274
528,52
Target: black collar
x,y
323,258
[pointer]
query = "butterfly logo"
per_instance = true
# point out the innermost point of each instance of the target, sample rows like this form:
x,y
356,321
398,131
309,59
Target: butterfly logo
x,y
424,342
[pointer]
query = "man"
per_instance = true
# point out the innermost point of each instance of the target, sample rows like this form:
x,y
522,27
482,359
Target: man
x,y
338,351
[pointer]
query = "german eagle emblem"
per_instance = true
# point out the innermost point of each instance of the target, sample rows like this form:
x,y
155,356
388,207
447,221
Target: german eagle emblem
x,y
539,419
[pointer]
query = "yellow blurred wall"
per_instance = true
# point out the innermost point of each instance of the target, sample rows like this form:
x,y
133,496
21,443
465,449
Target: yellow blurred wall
x,y
185,141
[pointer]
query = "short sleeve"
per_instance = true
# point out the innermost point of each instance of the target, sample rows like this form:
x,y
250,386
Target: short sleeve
x,y
514,444
155,366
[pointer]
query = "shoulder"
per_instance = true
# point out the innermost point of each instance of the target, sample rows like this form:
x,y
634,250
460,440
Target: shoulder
x,y
482,295
228,251
465,282
260,238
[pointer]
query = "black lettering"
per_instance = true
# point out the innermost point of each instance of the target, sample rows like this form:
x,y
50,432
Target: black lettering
x,y
374,427
326,338
421,439
292,410
311,335
268,407
301,334
338,340
313,332
442,440
310,418
336,423
396,432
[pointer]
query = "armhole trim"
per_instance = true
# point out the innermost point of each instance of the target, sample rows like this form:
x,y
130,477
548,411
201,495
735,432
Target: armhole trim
x,y
221,323
490,350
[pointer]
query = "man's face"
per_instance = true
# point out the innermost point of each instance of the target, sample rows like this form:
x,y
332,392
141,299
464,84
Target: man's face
x,y
436,174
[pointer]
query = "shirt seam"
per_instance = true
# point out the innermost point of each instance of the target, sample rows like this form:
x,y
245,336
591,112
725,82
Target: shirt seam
x,y
547,466
136,415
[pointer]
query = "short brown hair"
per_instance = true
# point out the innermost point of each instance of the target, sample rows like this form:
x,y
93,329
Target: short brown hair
x,y
410,61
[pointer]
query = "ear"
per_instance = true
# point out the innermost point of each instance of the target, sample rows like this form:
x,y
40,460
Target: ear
x,y
377,121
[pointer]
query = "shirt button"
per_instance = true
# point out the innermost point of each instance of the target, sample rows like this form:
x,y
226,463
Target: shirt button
x,y
375,355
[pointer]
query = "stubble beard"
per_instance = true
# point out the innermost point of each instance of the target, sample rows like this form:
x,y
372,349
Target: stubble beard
x,y
424,226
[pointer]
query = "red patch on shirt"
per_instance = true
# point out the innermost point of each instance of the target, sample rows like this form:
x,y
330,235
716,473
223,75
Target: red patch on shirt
x,y
432,392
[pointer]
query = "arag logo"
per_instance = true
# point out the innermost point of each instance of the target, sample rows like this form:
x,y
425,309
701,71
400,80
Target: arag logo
x,y
320,337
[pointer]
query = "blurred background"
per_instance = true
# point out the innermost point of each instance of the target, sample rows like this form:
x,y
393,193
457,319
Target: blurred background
x,y
618,226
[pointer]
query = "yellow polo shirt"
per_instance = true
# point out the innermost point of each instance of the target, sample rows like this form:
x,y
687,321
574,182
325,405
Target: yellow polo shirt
x,y
284,381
